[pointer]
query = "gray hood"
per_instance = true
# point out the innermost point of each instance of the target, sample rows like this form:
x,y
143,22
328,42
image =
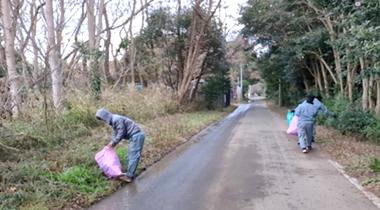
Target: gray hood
x,y
104,115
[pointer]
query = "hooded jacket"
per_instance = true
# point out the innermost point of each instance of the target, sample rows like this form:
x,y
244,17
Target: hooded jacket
x,y
320,107
306,113
123,127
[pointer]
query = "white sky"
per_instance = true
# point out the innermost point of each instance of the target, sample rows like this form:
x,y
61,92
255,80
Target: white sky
x,y
232,13
229,13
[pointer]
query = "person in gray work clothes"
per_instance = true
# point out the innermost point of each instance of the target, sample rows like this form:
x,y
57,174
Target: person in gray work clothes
x,y
125,128
321,107
306,113
317,102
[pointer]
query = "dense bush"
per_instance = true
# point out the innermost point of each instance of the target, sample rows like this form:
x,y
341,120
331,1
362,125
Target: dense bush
x,y
354,121
351,118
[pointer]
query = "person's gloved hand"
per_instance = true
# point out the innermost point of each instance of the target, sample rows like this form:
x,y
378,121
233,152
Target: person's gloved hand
x,y
335,116
292,111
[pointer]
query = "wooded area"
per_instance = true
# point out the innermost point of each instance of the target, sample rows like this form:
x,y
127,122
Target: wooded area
x,y
329,46
54,46
320,47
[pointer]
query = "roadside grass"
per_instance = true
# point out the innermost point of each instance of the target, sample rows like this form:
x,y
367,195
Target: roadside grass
x,y
359,158
55,167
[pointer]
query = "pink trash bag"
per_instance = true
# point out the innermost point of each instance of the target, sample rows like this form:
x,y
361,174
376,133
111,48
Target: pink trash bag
x,y
293,130
109,162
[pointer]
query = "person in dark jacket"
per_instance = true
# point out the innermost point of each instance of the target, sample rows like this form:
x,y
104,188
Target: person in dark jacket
x,y
125,128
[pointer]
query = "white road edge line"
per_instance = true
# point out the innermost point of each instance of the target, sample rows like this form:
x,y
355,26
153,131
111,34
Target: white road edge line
x,y
354,181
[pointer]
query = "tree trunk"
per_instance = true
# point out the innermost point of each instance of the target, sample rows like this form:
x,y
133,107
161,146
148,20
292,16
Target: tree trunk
x,y
91,22
94,77
132,47
365,85
35,59
338,67
323,62
14,77
370,92
100,16
196,40
317,76
349,84
84,66
54,62
140,75
279,93
377,110
107,50
349,79
319,79
325,82
195,90
115,65
179,52
305,81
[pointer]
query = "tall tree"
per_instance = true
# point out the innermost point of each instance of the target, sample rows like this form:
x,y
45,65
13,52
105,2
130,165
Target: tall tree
x,y
55,62
9,17
200,21
94,77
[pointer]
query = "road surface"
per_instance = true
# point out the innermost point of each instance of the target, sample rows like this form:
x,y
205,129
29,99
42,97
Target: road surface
x,y
245,161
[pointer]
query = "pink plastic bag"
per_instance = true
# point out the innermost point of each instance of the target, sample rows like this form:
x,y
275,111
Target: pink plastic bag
x,y
293,130
109,162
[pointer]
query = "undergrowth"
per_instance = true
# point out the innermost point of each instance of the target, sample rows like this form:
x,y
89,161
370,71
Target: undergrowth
x,y
55,167
352,119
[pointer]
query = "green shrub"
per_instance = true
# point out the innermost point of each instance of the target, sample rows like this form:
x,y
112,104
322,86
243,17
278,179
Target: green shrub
x,y
373,131
375,165
355,121
352,119
338,104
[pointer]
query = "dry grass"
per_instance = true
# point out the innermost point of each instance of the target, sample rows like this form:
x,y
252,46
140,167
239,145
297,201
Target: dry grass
x,y
354,153
55,168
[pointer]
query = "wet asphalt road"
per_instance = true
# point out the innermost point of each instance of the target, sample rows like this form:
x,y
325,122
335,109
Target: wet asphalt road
x,y
245,161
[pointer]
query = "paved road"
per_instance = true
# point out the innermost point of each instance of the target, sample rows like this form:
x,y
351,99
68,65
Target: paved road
x,y
246,161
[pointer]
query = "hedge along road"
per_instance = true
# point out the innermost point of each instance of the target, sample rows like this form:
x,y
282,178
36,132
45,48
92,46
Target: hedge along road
x,y
245,161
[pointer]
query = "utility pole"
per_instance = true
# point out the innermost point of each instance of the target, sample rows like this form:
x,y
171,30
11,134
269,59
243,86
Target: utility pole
x,y
241,82
241,76
239,87
279,93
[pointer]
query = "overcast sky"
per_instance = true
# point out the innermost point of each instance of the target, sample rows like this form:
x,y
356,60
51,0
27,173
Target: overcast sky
x,y
229,13
233,14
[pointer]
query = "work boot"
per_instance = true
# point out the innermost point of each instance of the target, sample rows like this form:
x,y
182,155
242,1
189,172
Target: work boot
x,y
126,179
